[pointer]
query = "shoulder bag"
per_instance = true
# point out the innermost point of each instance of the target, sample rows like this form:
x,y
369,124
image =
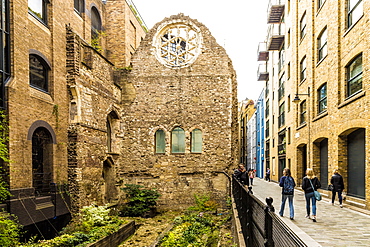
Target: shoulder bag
x,y
315,192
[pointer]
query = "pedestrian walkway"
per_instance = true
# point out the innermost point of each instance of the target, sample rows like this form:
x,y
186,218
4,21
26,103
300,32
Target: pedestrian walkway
x,y
335,226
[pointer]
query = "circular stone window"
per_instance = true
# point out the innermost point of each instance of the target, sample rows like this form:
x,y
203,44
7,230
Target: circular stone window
x,y
177,44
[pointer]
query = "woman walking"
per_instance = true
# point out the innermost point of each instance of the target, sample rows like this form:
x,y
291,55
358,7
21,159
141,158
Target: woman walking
x,y
288,184
310,184
338,186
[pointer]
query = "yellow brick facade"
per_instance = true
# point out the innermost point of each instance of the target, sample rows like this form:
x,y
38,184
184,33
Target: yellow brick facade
x,y
344,123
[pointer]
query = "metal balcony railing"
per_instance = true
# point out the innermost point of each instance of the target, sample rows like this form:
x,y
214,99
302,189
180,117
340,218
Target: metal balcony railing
x,y
275,11
275,36
262,73
262,53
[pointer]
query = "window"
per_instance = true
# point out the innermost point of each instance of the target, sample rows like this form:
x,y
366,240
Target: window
x,y
288,71
282,114
355,11
322,42
267,130
196,141
38,73
288,39
281,91
354,76
320,3
79,6
38,8
322,98
96,24
302,66
178,140
5,49
267,110
303,112
112,131
160,142
302,26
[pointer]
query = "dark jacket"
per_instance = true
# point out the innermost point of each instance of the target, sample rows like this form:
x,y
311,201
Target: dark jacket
x,y
281,184
306,185
242,176
337,182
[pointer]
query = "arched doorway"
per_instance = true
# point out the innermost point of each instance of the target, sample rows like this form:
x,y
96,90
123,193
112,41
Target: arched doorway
x,y
109,180
42,160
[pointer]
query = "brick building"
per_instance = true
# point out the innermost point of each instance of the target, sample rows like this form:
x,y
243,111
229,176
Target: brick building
x,y
57,82
90,110
317,54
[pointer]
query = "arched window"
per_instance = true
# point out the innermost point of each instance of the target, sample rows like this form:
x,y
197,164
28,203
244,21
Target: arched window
x,y
39,71
112,128
42,160
196,141
178,140
322,42
354,76
160,142
96,24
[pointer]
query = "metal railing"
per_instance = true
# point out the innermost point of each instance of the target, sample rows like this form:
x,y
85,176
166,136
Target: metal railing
x,y
260,225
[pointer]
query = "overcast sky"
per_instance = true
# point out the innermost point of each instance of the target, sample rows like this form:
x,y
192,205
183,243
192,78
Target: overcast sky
x,y
237,25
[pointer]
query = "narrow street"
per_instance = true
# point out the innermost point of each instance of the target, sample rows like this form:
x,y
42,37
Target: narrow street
x,y
335,226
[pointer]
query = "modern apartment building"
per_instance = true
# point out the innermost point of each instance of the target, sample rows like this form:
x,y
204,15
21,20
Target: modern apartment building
x,y
314,67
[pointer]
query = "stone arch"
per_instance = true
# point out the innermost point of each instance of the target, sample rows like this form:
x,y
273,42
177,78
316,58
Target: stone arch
x,y
41,123
113,129
109,176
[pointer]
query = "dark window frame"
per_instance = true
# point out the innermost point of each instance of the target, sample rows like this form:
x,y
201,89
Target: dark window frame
x,y
303,112
302,74
45,73
79,6
322,98
350,21
321,46
43,16
351,80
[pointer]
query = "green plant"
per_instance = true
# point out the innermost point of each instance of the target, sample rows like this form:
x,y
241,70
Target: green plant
x,y
9,231
140,200
204,203
96,40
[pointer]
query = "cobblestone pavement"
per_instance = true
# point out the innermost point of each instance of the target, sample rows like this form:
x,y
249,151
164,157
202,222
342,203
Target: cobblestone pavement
x,y
335,226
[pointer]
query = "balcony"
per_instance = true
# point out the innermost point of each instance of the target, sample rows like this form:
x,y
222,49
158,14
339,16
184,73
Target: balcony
x,y
263,53
262,73
275,37
275,11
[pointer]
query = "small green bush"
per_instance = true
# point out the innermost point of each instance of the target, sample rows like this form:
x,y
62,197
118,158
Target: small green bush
x,y
9,231
140,200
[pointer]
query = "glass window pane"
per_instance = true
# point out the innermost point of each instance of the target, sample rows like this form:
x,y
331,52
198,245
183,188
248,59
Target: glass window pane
x,y
178,140
38,73
196,141
36,7
160,143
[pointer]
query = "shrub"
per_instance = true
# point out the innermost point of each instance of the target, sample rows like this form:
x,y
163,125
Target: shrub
x,y
204,203
9,231
140,200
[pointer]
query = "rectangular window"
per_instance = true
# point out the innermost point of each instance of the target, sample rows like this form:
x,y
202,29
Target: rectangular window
x,y
38,8
267,131
355,11
322,42
354,76
196,141
303,112
302,26
282,114
281,91
79,6
267,110
302,66
322,98
160,143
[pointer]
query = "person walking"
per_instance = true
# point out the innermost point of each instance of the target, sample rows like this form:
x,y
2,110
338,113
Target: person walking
x,y
268,172
310,183
251,175
338,187
287,183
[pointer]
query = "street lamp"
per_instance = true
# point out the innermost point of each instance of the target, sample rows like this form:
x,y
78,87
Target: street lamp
x,y
297,99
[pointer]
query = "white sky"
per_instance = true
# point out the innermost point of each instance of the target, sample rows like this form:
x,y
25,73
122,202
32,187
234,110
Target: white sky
x,y
237,25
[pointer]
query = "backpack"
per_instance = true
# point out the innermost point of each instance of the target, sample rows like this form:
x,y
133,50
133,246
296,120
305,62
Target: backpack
x,y
288,188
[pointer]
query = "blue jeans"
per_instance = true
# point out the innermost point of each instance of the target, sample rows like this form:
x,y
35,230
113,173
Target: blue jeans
x,y
291,208
312,197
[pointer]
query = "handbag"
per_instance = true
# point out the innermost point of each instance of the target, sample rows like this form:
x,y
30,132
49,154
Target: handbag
x,y
330,187
316,194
